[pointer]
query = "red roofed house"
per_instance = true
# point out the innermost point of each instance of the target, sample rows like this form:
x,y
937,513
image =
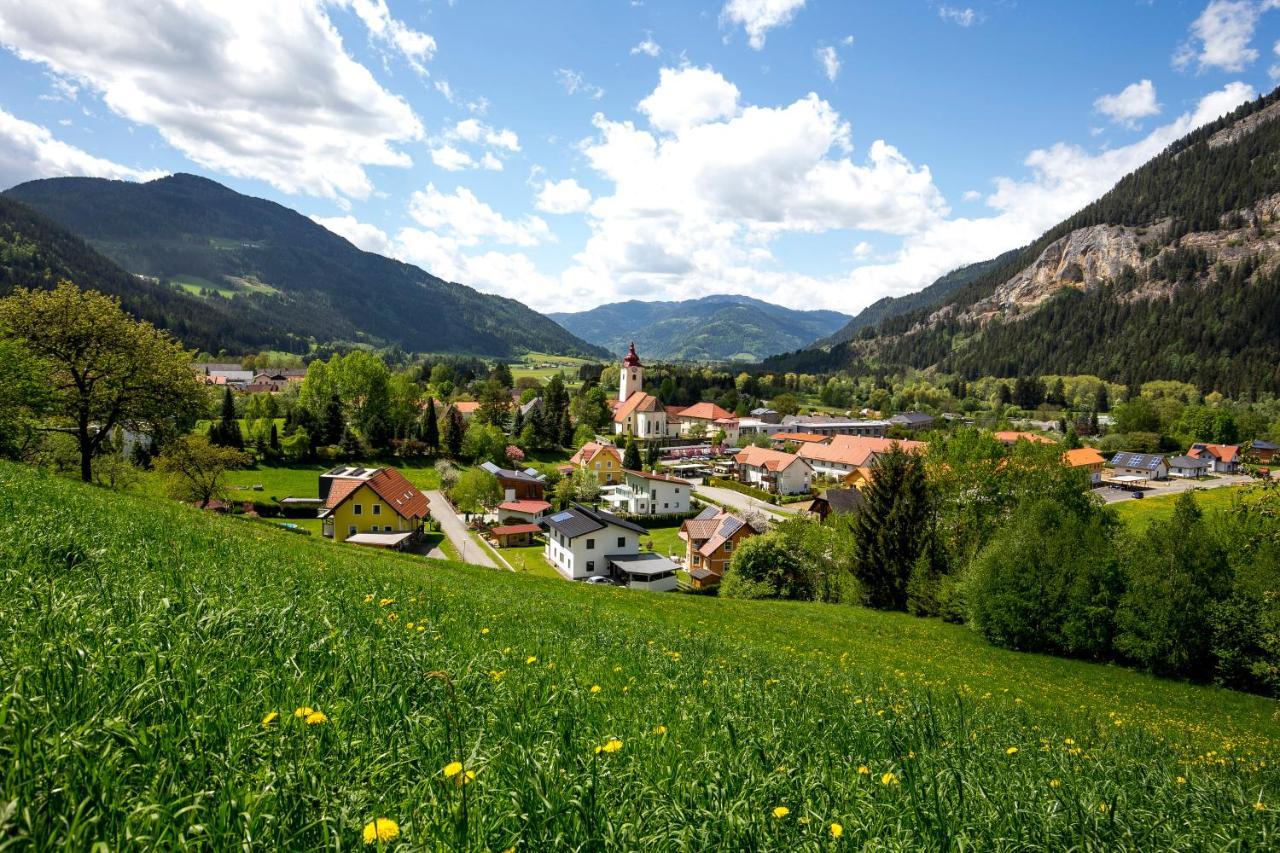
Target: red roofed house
x,y
782,439
376,506
773,470
1009,438
522,512
702,417
1222,458
1088,459
515,535
846,454
710,542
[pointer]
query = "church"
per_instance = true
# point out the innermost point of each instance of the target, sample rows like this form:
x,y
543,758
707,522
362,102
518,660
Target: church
x,y
639,414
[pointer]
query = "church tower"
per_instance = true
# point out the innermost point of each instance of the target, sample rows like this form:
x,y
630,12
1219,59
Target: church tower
x,y
632,375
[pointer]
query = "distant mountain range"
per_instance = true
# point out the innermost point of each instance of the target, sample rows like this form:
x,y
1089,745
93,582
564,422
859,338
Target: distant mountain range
x,y
713,328
231,271
1173,274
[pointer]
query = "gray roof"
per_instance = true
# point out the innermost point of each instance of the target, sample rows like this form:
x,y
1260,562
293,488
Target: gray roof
x,y
579,520
535,403
844,501
644,564
911,418
1147,461
1188,462
529,474
1262,444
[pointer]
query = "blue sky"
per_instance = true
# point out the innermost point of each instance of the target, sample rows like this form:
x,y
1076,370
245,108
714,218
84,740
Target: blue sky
x,y
815,153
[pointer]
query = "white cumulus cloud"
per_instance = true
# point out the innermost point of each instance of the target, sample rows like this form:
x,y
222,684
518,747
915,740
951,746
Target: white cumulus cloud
x,y
29,151
648,47
451,159
566,196
220,82
687,97
1221,36
362,235
1133,102
416,47
757,17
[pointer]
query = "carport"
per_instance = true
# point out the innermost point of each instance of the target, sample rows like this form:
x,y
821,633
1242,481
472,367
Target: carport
x,y
651,572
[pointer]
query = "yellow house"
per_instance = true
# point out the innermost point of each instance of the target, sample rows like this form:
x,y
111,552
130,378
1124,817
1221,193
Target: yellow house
x,y
377,505
603,460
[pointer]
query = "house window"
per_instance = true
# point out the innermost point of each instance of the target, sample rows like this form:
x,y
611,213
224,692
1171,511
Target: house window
x,y
697,560
728,546
357,509
591,565
622,541
387,528
591,544
351,530
377,509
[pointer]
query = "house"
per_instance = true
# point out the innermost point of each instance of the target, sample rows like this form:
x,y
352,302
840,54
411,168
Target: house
x,y
766,415
526,485
831,502
1188,467
1009,438
755,426
515,535
466,408
710,541
581,541
1088,459
845,454
781,439
700,419
773,470
636,413
377,501
1263,451
730,428
1132,467
603,460
1222,458
648,493
914,421
515,512
528,409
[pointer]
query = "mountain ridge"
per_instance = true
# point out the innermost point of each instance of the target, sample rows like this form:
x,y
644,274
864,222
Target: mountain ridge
x,y
715,328
291,272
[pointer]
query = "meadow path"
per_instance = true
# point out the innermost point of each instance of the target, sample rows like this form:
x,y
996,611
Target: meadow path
x,y
451,525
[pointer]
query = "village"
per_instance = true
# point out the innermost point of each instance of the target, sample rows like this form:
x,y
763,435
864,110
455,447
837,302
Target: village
x,y
669,516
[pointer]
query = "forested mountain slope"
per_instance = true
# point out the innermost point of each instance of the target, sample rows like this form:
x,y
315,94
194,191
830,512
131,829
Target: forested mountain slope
x,y
713,328
288,271
1170,275
35,252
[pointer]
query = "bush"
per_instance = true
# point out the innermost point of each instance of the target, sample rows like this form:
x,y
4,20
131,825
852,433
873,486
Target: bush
x,y
743,488
1049,581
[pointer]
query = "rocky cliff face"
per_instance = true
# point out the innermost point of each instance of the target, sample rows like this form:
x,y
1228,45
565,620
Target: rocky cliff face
x,y
1245,126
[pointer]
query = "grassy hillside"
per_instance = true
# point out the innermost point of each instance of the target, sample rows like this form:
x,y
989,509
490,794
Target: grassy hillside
x,y
144,644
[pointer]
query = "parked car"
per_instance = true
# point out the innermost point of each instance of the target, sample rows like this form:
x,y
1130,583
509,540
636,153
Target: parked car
x,y
1137,494
603,581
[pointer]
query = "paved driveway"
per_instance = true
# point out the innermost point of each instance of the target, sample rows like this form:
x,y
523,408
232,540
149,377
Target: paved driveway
x,y
1172,486
737,500
452,526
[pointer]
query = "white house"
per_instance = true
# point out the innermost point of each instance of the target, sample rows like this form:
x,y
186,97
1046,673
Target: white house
x,y
648,493
1188,467
1132,467
581,541
773,470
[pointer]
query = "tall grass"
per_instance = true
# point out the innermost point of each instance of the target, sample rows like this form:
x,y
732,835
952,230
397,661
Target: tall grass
x,y
142,644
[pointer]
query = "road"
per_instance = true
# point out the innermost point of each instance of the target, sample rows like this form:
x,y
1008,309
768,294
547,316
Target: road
x,y
739,501
1172,486
452,526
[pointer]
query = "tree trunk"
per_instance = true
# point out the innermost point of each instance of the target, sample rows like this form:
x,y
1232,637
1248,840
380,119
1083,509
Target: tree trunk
x,y
86,451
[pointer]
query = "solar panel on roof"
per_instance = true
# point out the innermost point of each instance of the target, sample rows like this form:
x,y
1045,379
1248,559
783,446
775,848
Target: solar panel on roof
x,y
562,516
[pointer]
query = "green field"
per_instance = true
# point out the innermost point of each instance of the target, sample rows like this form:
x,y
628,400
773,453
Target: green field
x,y
565,365
144,644
1140,514
195,284
299,481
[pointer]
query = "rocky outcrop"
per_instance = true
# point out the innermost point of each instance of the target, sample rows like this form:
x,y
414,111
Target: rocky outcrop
x,y
1244,126
1083,259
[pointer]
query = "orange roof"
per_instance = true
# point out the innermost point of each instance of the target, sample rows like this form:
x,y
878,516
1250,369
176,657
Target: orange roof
x,y
512,529
1082,457
858,450
1222,452
467,407
705,412
799,436
591,450
763,457
1011,437
390,485
533,507
637,402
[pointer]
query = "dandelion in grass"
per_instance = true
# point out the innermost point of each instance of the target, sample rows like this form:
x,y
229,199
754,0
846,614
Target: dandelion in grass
x,y
496,674
270,718
386,602
303,712
864,770
1259,806
368,598
781,811
1182,780
484,630
836,830
452,769
595,688
611,745
381,830
531,659
316,718
888,779
1104,808
1013,750
659,730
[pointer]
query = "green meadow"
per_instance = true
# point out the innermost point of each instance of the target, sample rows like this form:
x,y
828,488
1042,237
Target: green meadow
x,y
1140,514
170,678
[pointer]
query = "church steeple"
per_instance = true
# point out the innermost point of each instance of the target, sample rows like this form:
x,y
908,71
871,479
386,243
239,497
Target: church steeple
x,y
632,374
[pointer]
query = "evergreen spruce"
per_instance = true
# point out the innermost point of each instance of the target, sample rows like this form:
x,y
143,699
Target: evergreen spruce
x,y
454,429
893,529
430,426
631,456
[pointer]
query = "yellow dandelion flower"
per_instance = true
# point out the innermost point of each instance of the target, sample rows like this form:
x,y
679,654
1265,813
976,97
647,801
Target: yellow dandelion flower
x,y
368,598
421,628
465,778
453,768
611,745
269,719
496,674
1259,806
531,659
781,812
484,630
659,730
1069,741
595,688
316,718
864,770
304,711
1104,808
1182,780
836,830
888,779
1013,750
381,830
386,602
1055,783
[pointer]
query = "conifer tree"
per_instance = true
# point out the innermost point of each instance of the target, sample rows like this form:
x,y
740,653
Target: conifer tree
x,y
430,426
631,456
454,430
893,529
